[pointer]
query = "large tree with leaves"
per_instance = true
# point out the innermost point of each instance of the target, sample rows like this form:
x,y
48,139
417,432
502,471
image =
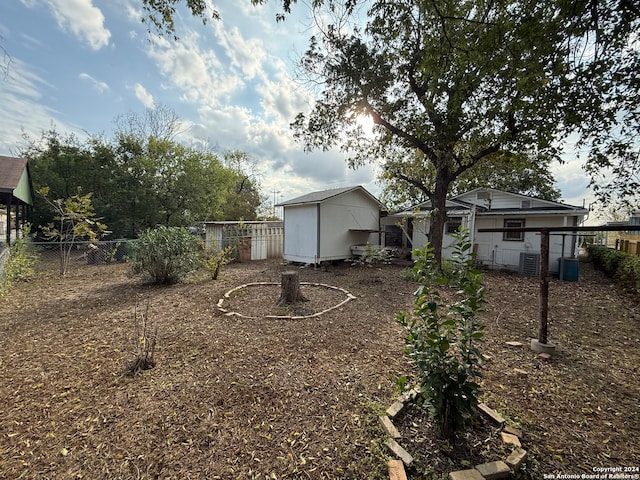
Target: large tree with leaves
x,y
510,172
143,177
602,89
160,14
453,83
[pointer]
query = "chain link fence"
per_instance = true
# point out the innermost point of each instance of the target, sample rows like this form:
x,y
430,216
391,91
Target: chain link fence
x,y
82,253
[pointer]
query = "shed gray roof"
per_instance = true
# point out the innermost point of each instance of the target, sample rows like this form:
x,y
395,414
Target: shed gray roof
x,y
322,195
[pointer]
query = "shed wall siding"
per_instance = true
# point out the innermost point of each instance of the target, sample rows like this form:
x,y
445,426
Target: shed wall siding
x,y
339,217
23,189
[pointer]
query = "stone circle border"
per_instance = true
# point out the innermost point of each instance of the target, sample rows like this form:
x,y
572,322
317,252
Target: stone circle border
x,y
220,304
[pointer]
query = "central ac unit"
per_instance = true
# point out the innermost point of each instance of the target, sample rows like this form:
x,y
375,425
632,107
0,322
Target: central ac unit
x,y
529,264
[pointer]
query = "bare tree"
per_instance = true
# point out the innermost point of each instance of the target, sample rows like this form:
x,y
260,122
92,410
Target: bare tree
x,y
159,122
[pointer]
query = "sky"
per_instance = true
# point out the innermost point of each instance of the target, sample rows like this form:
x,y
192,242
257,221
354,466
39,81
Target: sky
x,y
77,65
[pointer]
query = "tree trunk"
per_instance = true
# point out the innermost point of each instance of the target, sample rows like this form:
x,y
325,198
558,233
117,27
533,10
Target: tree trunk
x,y
439,215
290,289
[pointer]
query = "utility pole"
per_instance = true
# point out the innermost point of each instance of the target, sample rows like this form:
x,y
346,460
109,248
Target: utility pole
x,y
275,192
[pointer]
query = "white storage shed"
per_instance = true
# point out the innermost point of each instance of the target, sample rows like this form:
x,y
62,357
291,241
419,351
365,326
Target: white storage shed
x,y
325,225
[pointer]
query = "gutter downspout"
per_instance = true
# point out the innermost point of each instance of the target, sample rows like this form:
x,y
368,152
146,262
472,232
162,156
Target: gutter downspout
x,y
472,226
319,235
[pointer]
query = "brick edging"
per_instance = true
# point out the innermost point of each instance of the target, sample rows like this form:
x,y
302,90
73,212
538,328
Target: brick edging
x,y
487,471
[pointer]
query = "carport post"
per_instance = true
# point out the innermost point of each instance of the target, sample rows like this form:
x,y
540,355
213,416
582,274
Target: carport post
x,y
544,285
540,344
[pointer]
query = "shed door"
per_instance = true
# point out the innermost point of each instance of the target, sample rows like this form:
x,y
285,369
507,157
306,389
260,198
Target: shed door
x,y
301,234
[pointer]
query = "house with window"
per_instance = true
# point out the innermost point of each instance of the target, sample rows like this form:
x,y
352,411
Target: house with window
x,y
490,208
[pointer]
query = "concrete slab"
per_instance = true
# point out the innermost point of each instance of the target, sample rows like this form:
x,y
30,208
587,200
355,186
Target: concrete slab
x,y
548,348
511,439
396,470
494,416
512,430
394,409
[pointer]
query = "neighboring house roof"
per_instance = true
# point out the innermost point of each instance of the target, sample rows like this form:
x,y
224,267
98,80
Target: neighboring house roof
x,y
541,205
15,182
425,207
323,195
466,201
242,222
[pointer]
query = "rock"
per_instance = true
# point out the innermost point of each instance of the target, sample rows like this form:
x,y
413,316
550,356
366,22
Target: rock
x,y
494,470
514,344
544,356
520,372
509,438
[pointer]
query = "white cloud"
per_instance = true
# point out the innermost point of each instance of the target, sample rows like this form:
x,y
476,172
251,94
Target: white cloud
x,y
145,97
282,99
101,87
246,54
235,75
23,109
195,71
82,19
573,182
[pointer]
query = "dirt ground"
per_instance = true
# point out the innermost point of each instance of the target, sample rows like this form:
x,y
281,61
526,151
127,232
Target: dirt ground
x,y
249,397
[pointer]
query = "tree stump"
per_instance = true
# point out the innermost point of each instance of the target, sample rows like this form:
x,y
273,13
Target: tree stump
x,y
290,289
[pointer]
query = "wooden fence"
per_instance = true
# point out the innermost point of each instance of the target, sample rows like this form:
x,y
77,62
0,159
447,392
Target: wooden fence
x,y
629,246
256,240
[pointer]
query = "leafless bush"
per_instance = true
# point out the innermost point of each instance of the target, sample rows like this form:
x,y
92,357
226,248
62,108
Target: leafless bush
x,y
144,342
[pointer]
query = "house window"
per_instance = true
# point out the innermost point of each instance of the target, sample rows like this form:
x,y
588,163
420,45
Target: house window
x,y
526,204
513,236
453,224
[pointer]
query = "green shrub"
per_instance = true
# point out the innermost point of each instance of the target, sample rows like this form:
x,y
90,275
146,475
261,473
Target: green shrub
x,y
215,259
166,254
19,265
374,255
621,266
441,340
